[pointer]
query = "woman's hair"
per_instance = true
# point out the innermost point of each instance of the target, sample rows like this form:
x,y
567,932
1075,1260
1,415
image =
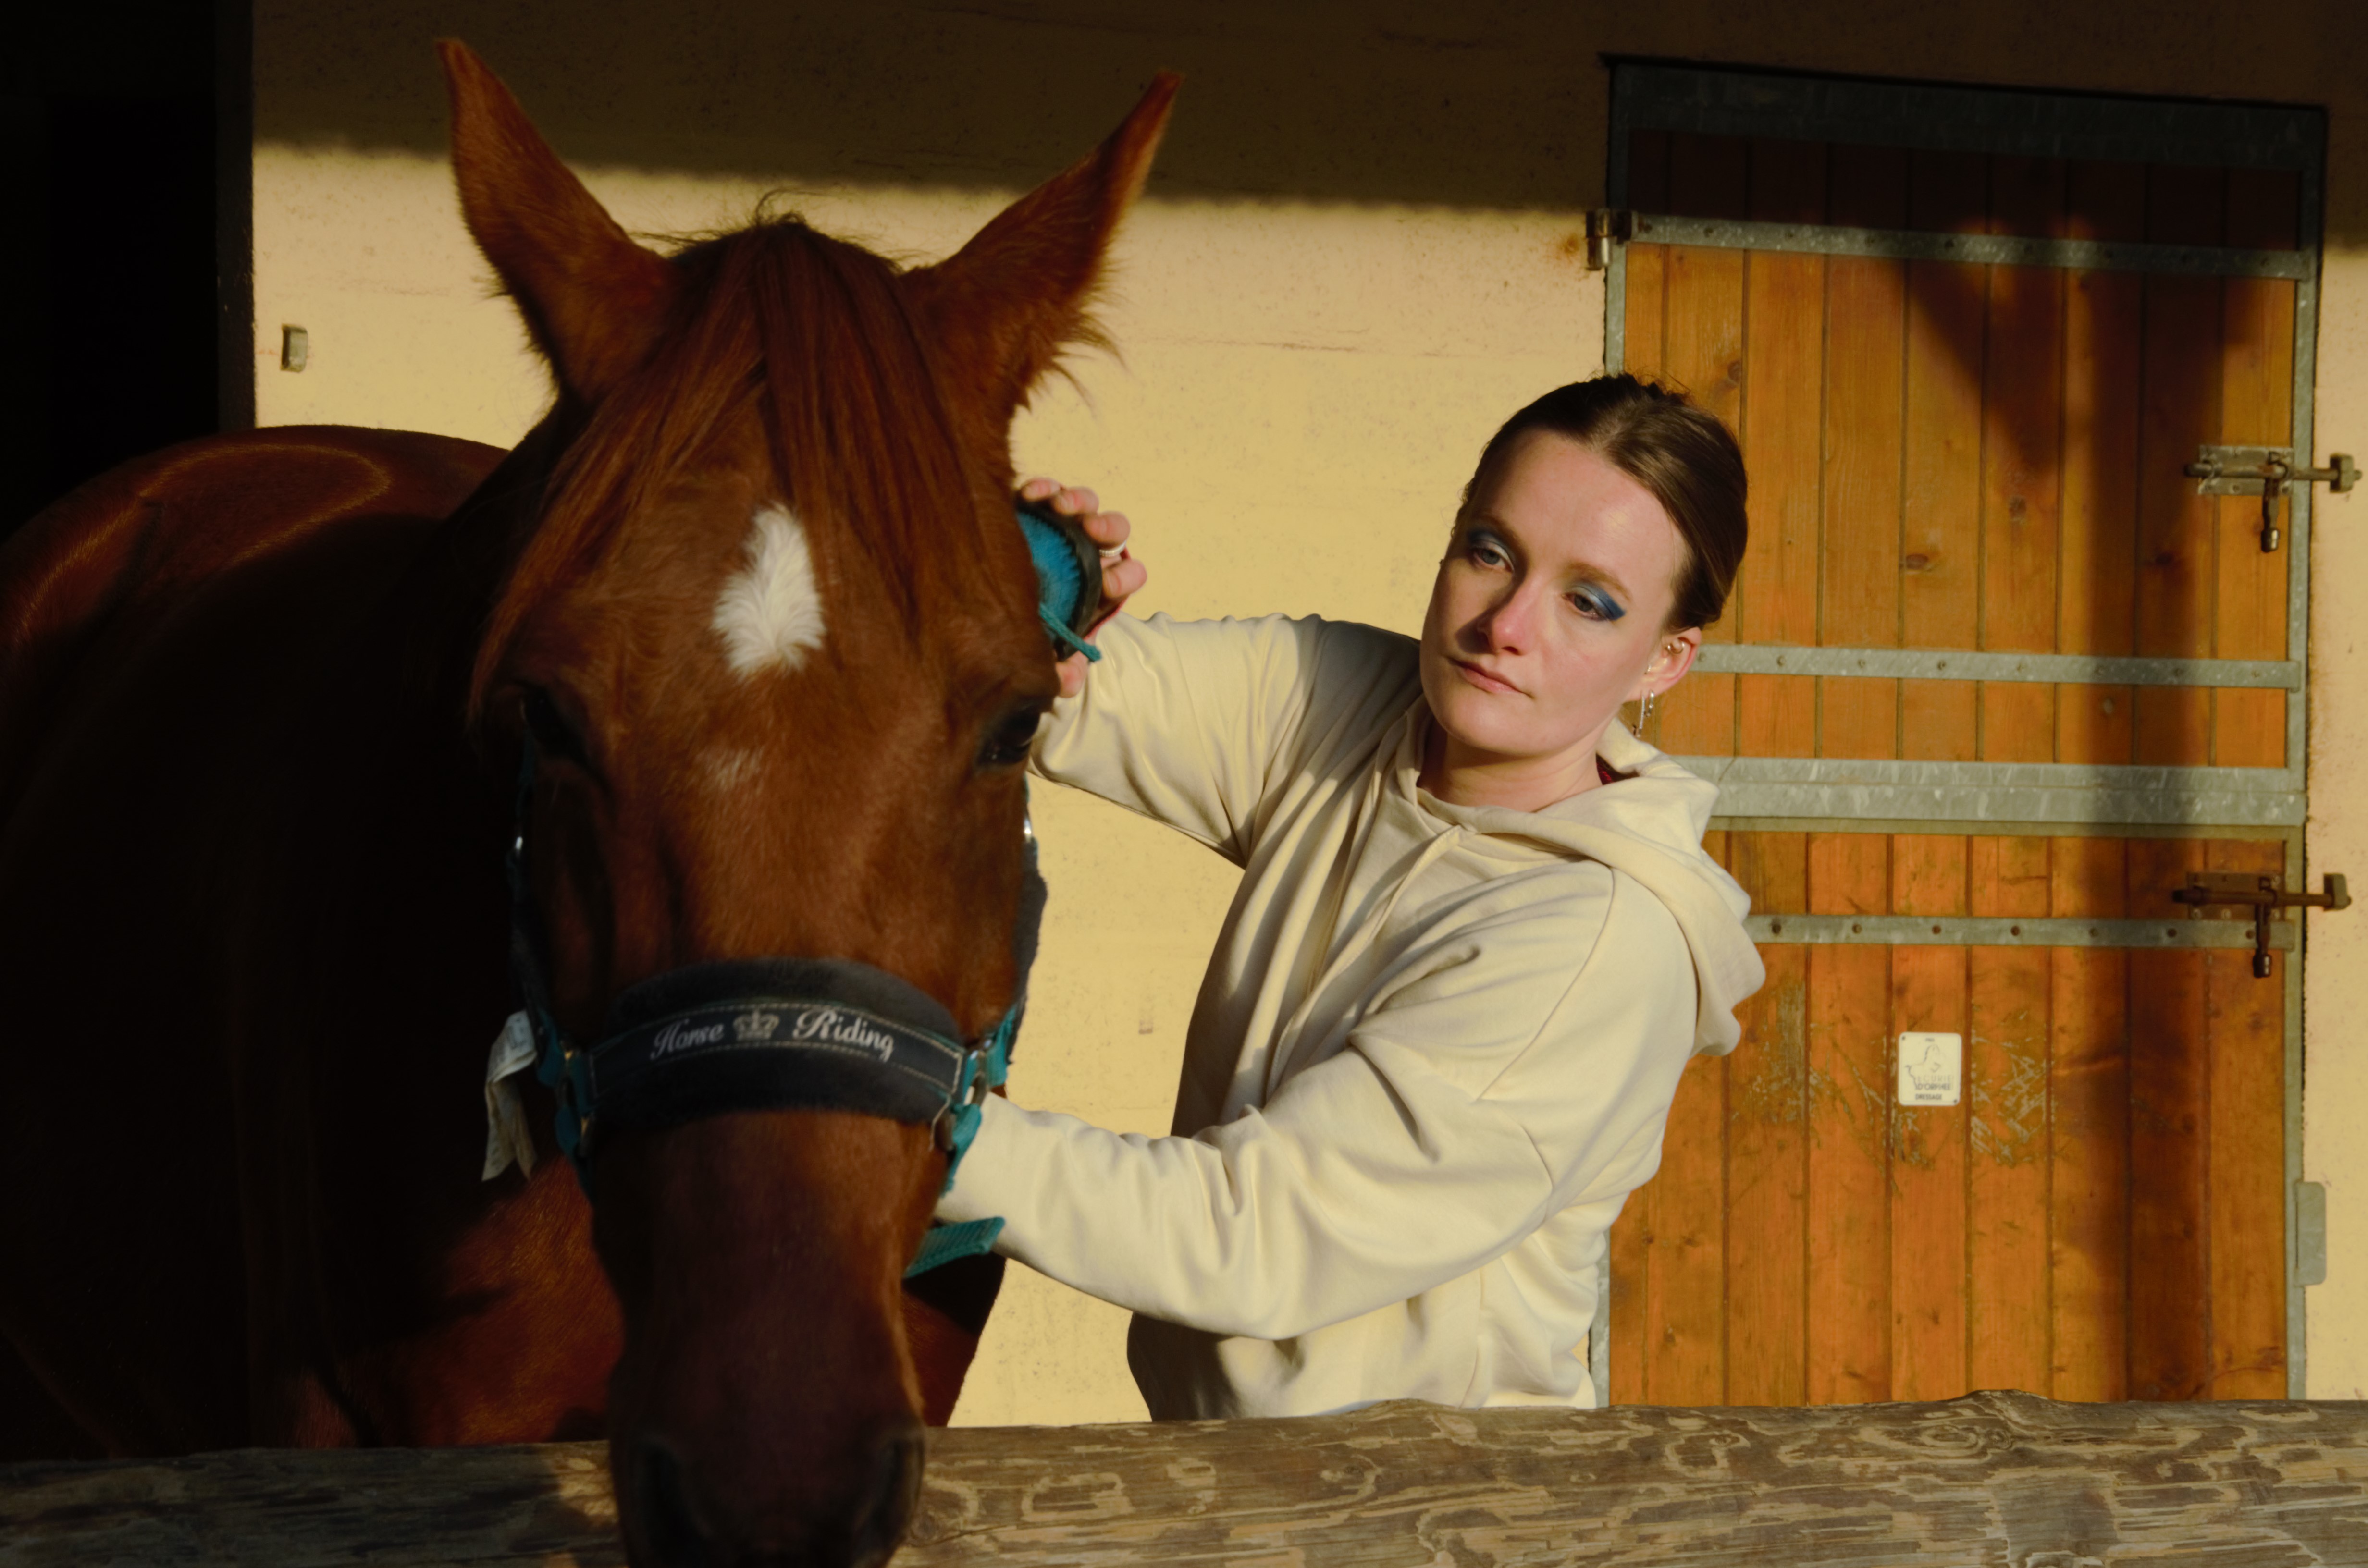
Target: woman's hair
x,y
1681,454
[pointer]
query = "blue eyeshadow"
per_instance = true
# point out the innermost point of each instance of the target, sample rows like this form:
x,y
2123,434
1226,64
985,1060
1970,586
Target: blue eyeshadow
x,y
1601,603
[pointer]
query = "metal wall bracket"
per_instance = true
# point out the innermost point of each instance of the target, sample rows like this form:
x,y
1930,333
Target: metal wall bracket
x,y
2264,471
2265,893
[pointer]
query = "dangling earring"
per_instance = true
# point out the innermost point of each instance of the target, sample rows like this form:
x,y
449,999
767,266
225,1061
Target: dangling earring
x,y
1644,712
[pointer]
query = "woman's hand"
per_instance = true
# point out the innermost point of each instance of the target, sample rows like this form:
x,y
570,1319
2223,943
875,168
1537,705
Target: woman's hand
x,y
1121,574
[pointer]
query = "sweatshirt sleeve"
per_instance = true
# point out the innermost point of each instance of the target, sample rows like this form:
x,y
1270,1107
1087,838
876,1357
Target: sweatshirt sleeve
x,y
1195,723
1501,1081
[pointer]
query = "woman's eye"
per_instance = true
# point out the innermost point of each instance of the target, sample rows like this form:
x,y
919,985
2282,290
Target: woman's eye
x,y
1597,605
1485,551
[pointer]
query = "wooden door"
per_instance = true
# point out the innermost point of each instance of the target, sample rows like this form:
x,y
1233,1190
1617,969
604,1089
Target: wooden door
x,y
1975,447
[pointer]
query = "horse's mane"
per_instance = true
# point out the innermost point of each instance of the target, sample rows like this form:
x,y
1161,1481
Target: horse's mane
x,y
815,332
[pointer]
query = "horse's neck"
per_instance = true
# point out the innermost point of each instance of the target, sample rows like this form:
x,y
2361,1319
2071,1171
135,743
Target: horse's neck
x,y
391,817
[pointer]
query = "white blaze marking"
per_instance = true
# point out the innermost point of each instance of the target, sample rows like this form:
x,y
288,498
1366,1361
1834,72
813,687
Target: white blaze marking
x,y
770,614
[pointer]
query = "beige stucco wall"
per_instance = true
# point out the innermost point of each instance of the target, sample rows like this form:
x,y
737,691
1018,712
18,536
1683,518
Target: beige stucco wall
x,y
1357,261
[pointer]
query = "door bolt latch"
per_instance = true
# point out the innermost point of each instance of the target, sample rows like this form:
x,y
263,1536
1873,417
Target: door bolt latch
x,y
2264,894
2264,471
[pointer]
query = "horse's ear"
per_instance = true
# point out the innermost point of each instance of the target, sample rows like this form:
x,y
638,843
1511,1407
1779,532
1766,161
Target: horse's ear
x,y
1004,306
592,298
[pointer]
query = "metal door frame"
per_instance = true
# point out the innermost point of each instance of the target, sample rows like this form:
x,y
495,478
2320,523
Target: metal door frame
x,y
2052,799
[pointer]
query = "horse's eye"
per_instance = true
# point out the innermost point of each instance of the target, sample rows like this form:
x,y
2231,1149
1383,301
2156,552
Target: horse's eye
x,y
553,735
1007,744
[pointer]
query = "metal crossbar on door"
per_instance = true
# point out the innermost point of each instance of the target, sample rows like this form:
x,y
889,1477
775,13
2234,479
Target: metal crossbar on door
x,y
1953,664
2174,935
1848,788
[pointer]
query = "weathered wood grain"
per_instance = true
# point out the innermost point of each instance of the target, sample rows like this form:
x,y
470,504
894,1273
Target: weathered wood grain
x,y
1866,324
1988,1478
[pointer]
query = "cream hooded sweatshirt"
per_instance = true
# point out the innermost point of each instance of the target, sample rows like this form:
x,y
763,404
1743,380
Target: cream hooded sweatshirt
x,y
1432,1055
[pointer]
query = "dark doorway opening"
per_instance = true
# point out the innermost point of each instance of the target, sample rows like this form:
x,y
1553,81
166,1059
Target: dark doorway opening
x,y
123,315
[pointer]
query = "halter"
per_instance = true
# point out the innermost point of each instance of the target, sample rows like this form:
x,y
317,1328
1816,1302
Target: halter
x,y
783,1033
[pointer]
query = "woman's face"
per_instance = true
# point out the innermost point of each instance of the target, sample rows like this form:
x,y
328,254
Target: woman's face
x,y
1550,609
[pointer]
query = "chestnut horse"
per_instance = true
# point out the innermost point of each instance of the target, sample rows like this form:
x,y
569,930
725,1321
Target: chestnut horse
x,y
752,598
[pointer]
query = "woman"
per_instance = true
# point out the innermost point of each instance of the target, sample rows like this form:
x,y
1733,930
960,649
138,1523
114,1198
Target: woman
x,y
1475,941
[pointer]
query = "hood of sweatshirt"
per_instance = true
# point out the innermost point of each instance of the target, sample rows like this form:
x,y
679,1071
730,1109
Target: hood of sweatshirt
x,y
1649,823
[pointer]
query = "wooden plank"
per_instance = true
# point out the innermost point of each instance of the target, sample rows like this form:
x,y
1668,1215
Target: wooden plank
x,y
2089,1100
1782,417
1767,1147
2170,1078
2102,317
1646,328
1648,189
1708,176
1630,1236
1685,1253
2179,410
1927,1143
1647,309
2023,428
1866,305
1941,565
2248,604
1685,1246
1632,1315
1990,1478
1680,1251
1848,1285
2245,1154
1645,348
2007,1315
2245,1240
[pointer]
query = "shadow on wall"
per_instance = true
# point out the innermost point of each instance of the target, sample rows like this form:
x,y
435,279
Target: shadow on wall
x,y
1488,106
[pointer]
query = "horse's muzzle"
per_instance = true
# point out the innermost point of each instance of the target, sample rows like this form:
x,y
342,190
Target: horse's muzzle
x,y
677,1523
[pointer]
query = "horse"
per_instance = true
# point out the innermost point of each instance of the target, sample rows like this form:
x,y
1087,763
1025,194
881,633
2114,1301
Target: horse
x,y
733,661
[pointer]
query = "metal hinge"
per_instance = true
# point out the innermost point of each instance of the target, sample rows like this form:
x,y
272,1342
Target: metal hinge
x,y
1605,225
2263,472
2264,893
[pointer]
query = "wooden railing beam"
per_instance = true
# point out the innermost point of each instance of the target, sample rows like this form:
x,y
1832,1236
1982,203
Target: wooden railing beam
x,y
1992,1478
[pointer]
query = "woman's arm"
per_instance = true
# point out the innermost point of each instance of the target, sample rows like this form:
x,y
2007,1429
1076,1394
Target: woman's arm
x,y
1195,723
1500,1085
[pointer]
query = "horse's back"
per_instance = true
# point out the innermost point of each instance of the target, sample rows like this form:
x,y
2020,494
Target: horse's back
x,y
162,631
91,574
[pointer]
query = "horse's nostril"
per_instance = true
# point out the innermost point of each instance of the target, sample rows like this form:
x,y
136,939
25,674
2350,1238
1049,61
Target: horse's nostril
x,y
896,1493
670,1521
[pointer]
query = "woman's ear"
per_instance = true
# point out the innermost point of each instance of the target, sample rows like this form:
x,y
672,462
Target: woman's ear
x,y
1670,661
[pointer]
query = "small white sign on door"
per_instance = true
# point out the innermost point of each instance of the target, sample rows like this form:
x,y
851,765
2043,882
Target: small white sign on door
x,y
1931,1068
